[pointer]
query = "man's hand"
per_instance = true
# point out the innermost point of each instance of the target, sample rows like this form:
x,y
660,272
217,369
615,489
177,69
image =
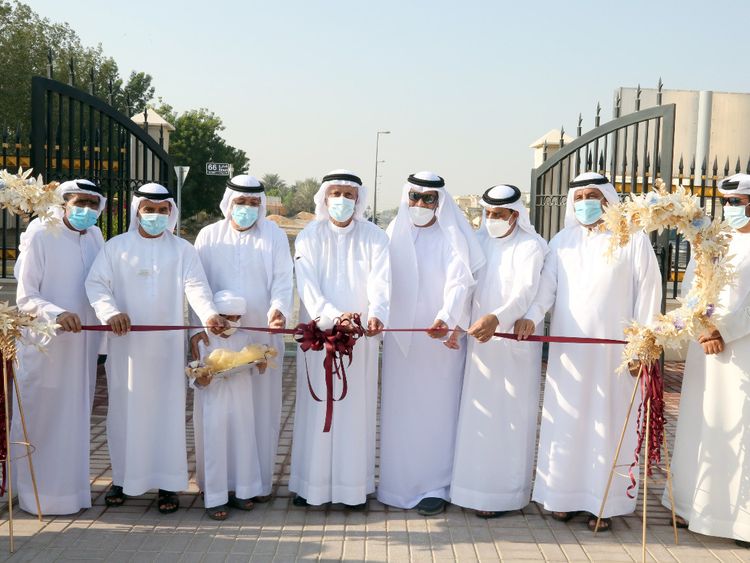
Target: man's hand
x,y
374,327
205,379
484,328
439,329
277,320
217,324
69,322
712,342
453,342
194,340
523,328
120,324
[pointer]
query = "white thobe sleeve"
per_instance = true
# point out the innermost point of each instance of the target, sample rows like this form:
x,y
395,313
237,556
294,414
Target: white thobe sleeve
x,y
197,290
308,287
647,282
735,324
99,287
282,282
527,273
379,282
547,292
29,272
456,293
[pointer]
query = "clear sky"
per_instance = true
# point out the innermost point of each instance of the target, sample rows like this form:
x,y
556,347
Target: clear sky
x,y
303,86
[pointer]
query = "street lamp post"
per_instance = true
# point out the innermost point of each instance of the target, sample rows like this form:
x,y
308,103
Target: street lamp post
x,y
375,183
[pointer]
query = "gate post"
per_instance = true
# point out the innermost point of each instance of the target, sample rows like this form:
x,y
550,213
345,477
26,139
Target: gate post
x,y
38,149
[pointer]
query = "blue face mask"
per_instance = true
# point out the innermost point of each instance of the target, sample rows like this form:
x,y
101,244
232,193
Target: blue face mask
x,y
588,211
244,216
735,216
82,218
154,223
340,208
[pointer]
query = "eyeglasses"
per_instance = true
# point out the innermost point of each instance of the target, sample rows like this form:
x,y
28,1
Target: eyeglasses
x,y
429,199
735,201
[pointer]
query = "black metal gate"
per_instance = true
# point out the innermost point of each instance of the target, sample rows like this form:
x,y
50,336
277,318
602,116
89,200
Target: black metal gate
x,y
74,134
632,151
77,135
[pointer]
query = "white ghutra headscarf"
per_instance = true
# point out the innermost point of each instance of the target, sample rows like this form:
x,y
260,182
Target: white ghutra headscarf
x,y
152,192
456,229
340,177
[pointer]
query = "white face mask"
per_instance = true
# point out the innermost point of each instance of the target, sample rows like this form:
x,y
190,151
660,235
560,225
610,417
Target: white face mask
x,y
497,227
420,216
231,331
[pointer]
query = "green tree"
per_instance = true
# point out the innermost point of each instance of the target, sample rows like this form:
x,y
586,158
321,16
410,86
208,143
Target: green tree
x,y
196,141
274,185
26,41
300,196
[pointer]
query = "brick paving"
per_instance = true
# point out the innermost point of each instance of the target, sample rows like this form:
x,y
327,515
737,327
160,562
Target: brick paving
x,y
277,531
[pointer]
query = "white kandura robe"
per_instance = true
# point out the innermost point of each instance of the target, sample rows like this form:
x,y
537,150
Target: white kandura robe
x,y
147,278
226,453
585,398
496,438
421,390
339,270
257,265
55,383
711,460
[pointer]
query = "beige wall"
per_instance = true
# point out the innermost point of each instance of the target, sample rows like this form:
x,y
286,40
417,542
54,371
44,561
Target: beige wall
x,y
730,123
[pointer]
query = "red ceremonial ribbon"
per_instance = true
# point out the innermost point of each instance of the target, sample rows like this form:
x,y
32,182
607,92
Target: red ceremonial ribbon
x,y
652,398
338,343
4,446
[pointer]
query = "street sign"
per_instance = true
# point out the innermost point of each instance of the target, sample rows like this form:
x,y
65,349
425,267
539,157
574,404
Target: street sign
x,y
218,169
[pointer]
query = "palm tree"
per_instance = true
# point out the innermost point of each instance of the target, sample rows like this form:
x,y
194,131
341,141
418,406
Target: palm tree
x,y
274,185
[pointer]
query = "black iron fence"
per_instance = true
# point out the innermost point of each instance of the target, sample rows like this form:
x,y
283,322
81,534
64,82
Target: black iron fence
x,y
632,150
75,134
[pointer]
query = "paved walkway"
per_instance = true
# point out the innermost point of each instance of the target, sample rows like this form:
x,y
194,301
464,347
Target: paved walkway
x,y
277,531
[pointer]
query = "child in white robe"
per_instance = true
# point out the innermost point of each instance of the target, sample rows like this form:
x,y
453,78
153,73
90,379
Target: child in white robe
x,y
226,455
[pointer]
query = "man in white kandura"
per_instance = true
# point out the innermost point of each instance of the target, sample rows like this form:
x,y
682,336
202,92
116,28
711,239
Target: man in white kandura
x,y
141,277
55,384
711,462
434,255
250,255
342,269
496,438
227,463
586,398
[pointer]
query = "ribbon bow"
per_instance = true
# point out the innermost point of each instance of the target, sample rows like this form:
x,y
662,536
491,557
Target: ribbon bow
x,y
338,343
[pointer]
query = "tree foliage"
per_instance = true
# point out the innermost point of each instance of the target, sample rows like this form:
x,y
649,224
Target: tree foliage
x,y
27,41
196,141
300,196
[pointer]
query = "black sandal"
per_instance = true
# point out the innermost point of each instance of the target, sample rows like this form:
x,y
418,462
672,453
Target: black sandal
x,y
564,516
166,498
605,524
487,514
218,512
300,501
240,503
114,496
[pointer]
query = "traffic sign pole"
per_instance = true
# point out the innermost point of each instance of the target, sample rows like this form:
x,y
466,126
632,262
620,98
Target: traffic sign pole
x,y
181,172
